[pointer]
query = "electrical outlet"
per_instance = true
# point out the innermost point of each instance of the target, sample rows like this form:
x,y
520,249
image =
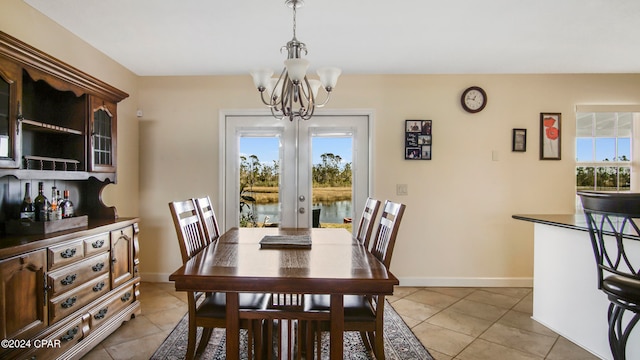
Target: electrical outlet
x,y
402,189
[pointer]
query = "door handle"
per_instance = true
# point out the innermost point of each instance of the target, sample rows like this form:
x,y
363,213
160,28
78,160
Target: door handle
x,y
301,210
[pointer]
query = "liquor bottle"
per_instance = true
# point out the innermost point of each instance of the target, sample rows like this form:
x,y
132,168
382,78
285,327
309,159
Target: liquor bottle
x,y
53,210
27,209
59,200
41,204
66,206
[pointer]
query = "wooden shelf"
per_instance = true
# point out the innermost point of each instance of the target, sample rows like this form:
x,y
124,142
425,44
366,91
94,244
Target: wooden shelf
x,y
23,174
45,127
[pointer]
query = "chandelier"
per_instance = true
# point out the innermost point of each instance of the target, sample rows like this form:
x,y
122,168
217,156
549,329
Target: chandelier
x,y
293,94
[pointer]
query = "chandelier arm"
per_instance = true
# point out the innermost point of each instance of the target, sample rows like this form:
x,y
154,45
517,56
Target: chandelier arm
x,y
326,100
269,104
276,114
307,92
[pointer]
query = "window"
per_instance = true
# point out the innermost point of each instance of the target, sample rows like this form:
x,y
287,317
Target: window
x,y
603,151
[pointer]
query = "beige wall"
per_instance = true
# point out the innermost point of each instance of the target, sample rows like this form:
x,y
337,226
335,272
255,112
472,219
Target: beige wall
x,y
457,229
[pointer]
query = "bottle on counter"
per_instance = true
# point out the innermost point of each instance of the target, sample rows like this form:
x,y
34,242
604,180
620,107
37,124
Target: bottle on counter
x,y
66,206
41,204
54,209
27,208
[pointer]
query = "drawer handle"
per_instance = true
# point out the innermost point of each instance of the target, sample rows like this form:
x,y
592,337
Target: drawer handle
x,y
69,335
68,253
126,297
68,280
97,267
98,286
101,314
97,244
69,302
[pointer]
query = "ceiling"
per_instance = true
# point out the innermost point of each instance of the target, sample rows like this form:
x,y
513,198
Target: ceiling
x,y
214,37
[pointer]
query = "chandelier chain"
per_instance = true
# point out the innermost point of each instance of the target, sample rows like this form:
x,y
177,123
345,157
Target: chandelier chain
x,y
295,5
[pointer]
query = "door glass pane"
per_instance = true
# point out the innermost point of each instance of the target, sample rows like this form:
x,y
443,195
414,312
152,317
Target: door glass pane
x,y
101,138
259,181
332,180
4,118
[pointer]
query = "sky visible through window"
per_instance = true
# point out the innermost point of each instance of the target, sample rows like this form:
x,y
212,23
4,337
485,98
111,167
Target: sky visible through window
x,y
266,148
605,148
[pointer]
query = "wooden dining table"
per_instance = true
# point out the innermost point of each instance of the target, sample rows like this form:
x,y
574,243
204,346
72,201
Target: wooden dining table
x,y
334,264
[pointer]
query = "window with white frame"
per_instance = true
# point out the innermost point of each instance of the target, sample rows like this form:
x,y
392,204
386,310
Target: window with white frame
x,y
603,151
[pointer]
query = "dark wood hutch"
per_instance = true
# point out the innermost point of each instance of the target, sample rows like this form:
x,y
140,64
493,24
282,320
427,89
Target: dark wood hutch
x,y
70,285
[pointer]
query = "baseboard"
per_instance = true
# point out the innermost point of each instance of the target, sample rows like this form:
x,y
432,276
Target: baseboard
x,y
466,282
155,277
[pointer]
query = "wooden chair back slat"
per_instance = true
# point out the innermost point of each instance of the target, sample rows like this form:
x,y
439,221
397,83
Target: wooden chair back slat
x,y
388,227
208,219
188,227
367,221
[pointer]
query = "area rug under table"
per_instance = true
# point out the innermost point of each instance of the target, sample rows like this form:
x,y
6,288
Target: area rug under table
x,y
399,342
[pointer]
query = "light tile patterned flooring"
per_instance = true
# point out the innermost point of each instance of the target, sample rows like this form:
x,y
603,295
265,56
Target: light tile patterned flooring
x,y
453,323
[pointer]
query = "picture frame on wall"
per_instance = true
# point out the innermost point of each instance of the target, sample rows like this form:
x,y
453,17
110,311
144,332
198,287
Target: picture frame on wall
x,y
418,139
519,140
550,136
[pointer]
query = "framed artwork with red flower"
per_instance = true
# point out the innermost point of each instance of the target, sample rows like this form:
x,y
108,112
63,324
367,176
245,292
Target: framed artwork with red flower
x,y
550,136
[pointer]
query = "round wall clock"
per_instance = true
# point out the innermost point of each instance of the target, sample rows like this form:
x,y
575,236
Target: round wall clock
x,y
473,99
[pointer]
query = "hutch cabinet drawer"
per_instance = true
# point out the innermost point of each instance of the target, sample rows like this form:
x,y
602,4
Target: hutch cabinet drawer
x,y
96,244
59,341
73,300
117,302
75,275
65,254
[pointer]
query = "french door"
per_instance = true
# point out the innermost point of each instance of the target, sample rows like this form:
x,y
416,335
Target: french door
x,y
266,157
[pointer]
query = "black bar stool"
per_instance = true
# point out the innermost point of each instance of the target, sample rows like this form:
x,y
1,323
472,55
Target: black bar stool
x,y
610,217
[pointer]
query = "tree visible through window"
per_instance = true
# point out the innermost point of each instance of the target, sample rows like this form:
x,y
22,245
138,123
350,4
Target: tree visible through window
x,y
603,151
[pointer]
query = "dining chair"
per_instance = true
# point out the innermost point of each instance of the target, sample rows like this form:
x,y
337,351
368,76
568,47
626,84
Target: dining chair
x,y
208,218
208,310
367,221
364,313
615,238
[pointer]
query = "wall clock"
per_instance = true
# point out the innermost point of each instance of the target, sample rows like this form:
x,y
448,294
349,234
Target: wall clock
x,y
473,99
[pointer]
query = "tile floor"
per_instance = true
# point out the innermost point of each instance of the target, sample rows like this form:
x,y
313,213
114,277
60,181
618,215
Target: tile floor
x,y
453,323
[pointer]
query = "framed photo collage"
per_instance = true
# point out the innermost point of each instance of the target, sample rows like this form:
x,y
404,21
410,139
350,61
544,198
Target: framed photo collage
x,y
417,140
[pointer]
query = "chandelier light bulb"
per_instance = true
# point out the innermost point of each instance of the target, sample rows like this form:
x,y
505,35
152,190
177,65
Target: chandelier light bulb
x,y
261,78
329,77
314,85
296,69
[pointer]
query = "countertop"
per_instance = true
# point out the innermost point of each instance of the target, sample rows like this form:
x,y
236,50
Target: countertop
x,y
569,221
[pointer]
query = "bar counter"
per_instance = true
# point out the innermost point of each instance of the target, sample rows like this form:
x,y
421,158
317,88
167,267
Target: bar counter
x,y
566,298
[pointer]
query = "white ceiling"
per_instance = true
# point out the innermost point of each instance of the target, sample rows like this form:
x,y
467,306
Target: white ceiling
x,y
208,37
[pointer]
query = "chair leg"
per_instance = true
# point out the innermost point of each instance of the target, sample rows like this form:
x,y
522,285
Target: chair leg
x,y
191,341
378,345
365,340
617,335
204,340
